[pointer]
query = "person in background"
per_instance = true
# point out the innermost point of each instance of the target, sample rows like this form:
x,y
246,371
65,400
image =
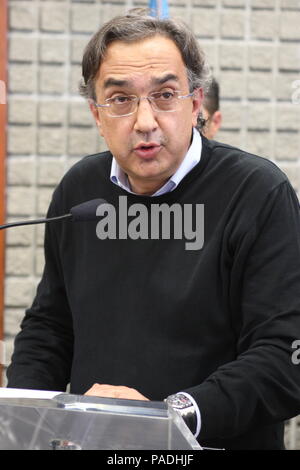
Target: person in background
x,y
211,110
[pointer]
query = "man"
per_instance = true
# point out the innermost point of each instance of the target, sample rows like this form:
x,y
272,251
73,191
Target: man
x,y
211,110
129,306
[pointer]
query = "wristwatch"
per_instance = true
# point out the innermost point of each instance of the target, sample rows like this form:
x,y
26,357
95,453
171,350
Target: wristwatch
x,y
184,406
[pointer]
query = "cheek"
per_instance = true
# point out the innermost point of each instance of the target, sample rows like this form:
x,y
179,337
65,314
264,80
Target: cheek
x,y
116,135
183,126
109,130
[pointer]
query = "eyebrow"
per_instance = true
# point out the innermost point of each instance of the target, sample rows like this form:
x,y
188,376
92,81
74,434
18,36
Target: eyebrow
x,y
115,82
166,78
156,81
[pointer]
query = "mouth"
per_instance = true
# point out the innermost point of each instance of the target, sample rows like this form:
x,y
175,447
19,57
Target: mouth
x,y
147,150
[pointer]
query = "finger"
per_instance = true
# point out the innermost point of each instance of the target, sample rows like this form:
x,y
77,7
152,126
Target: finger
x,y
105,390
115,391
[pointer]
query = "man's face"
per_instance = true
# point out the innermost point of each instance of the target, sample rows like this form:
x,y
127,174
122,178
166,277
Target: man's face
x,y
141,68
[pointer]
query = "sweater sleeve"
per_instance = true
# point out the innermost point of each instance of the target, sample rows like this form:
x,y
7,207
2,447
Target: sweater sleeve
x,y
43,348
262,385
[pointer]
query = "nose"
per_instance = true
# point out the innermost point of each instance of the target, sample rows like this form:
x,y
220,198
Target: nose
x,y
145,117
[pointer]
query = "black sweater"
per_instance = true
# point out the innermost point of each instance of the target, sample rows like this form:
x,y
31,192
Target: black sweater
x,y
218,322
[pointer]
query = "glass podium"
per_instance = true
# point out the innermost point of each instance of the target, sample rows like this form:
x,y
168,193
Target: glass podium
x,y
61,421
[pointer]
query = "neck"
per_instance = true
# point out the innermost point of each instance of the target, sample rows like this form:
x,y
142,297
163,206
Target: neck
x,y
145,188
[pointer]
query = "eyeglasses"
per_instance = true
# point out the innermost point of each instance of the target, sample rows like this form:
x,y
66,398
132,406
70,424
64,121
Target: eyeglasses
x,y
125,105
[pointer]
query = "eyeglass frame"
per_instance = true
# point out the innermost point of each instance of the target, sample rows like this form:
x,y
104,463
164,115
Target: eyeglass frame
x,y
138,99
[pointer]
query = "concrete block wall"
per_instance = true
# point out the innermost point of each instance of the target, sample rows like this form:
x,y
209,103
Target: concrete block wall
x,y
253,47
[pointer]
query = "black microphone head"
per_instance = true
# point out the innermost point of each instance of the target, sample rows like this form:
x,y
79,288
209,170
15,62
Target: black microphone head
x,y
86,210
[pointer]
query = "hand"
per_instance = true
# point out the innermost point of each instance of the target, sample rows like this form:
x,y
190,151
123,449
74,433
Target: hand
x,y
115,391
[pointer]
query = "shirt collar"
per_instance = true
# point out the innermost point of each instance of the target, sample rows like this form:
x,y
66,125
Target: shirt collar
x,y
119,177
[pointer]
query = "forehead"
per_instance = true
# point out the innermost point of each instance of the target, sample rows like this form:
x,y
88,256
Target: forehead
x,y
141,61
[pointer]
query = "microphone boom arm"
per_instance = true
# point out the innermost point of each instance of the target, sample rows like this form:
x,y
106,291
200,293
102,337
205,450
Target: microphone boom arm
x,y
35,221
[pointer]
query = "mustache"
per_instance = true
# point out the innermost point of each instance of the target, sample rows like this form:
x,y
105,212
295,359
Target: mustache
x,y
147,138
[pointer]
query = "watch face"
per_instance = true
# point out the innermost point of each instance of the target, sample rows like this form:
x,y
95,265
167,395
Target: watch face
x,y
179,401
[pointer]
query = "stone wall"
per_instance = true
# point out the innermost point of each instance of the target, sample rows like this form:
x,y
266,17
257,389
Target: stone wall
x,y
253,47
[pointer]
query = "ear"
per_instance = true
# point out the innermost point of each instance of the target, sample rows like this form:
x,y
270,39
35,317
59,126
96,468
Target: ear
x,y
216,120
96,114
212,125
197,104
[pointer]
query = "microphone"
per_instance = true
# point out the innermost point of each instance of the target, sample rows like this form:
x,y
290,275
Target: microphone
x,y
81,213
86,210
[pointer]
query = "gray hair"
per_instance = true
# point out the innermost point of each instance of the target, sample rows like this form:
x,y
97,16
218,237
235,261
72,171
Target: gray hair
x,y
138,25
